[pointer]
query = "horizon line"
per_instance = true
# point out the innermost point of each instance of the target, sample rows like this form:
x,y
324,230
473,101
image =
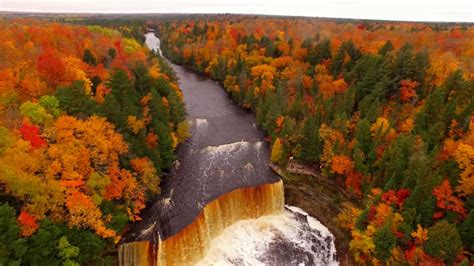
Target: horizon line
x,y
114,12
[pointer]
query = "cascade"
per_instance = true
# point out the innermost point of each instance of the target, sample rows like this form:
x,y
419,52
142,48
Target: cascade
x,y
192,243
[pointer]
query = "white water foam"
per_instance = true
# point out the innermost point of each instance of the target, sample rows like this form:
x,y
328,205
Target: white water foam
x,y
249,242
153,43
230,148
201,124
148,230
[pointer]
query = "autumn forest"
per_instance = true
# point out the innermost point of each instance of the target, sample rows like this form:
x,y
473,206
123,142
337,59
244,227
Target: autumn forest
x,y
91,119
384,109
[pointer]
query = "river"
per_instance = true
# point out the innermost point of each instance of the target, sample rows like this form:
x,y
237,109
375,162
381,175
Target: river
x,y
226,152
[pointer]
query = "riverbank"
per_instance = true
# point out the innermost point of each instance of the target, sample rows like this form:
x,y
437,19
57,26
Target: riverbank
x,y
322,200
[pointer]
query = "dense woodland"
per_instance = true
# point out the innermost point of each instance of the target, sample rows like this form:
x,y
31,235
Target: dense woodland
x,y
383,108
89,120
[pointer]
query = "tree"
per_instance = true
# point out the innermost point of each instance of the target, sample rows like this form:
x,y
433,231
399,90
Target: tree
x,y
320,52
67,252
446,200
91,246
363,151
75,101
160,127
124,92
354,182
341,164
387,47
12,246
50,66
407,90
464,156
277,151
89,57
28,223
5,139
384,241
443,241
147,173
466,231
35,112
362,246
182,131
42,246
31,133
311,145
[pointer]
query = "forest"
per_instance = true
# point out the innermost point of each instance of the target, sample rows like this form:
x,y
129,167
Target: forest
x,y
89,121
385,109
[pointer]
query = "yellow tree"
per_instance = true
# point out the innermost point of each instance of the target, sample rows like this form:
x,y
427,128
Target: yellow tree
x,y
277,151
464,156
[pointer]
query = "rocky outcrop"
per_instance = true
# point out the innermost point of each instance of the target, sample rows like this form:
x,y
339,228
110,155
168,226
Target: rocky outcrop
x,y
322,199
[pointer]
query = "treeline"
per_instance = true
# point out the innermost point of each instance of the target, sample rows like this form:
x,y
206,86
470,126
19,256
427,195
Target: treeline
x,y
129,26
383,108
89,120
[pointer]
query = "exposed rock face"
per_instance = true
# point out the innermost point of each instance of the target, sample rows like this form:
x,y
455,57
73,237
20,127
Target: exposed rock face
x,y
318,200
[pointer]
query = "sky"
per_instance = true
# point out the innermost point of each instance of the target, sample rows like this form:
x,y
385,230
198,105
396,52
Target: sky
x,y
411,10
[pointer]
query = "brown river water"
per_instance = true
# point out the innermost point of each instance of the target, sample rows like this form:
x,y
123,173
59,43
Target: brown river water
x,y
221,203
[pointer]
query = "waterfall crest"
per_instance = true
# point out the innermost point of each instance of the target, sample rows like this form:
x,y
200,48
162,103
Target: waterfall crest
x,y
192,243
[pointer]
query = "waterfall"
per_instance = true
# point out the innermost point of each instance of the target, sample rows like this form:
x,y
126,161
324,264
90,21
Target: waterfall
x,y
191,244
221,203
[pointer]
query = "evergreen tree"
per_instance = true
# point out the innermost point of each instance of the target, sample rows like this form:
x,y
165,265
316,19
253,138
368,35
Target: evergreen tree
x,y
12,246
443,241
165,144
177,109
339,64
91,246
42,246
386,48
311,145
124,92
363,154
396,162
143,81
296,110
384,241
160,122
75,101
406,66
89,58
320,52
158,110
113,111
466,231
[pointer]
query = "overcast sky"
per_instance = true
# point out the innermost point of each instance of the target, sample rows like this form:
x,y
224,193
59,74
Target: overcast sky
x,y
416,10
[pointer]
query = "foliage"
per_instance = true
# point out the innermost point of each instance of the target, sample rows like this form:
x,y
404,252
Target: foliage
x,y
384,241
384,108
443,241
277,152
76,107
